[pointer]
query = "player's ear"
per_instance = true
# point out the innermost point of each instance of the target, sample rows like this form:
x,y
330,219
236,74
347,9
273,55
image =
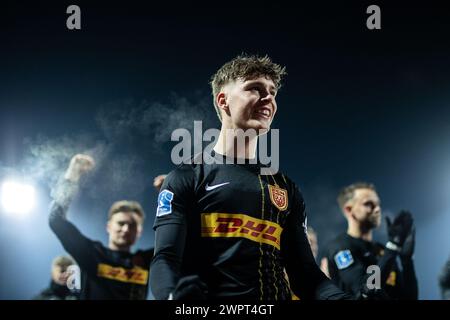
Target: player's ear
x,y
347,210
221,100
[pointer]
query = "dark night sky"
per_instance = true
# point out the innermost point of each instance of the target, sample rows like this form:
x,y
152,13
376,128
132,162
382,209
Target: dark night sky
x,y
356,105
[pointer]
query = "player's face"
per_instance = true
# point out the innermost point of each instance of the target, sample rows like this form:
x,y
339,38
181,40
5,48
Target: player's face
x,y
365,208
251,104
60,274
124,228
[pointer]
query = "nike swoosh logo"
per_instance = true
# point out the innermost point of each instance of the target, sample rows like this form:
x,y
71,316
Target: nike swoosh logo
x,y
209,188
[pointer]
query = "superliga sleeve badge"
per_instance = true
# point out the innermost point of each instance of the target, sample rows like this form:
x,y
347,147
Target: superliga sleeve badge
x,y
164,203
343,259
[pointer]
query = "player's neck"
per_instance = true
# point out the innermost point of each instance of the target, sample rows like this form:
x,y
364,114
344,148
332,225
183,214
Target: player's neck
x,y
235,144
112,246
358,232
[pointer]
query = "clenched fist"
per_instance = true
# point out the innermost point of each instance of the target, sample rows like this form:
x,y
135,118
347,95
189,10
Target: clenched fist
x,y
79,165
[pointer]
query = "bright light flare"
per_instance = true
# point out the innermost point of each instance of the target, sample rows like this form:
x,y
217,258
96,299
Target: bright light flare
x,y
17,198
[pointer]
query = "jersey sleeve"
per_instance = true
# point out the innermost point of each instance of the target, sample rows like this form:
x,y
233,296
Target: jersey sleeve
x,y
305,277
352,271
74,242
176,197
175,202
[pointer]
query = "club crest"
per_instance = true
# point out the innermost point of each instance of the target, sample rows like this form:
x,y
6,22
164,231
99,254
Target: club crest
x,y
279,197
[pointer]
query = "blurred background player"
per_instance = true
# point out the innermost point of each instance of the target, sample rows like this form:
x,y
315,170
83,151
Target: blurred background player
x,y
351,253
444,281
111,272
313,241
158,181
58,288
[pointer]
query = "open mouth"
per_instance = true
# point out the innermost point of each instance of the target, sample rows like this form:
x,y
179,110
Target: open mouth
x,y
263,112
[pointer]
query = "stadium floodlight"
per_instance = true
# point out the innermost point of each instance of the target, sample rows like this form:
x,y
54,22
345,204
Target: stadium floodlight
x,y
17,197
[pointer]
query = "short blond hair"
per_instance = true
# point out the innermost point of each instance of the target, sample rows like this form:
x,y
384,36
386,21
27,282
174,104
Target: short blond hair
x,y
347,193
245,67
126,206
62,261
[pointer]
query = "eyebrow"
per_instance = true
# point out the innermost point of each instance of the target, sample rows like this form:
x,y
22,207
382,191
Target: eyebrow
x,y
126,221
252,82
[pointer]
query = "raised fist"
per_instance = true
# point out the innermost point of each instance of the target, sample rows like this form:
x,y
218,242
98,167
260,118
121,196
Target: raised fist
x,y
79,165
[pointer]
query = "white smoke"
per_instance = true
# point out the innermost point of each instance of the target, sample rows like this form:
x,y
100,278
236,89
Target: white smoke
x,y
47,158
153,121
128,134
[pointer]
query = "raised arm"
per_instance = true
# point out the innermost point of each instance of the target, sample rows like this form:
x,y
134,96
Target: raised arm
x,y
71,238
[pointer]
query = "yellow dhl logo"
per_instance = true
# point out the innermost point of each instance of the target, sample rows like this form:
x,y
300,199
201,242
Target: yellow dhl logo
x,y
240,225
392,279
136,275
